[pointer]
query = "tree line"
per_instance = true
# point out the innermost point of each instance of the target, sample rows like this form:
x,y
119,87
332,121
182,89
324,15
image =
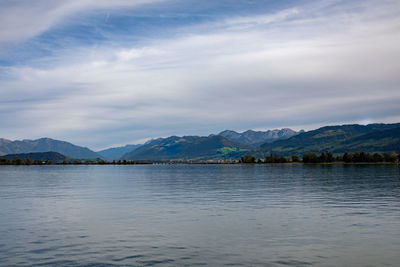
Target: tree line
x,y
28,161
326,157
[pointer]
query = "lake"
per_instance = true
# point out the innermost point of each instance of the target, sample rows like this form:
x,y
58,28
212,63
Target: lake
x,y
188,215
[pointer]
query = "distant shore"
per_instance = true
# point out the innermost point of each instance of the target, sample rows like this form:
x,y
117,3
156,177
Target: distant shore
x,y
196,163
327,158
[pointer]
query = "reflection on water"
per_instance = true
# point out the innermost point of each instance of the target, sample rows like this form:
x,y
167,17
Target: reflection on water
x,y
265,215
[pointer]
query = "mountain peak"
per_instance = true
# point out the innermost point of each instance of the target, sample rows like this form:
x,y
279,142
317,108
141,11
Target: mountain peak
x,y
257,138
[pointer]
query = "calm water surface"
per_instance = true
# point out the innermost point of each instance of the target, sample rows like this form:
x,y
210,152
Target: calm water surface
x,y
187,215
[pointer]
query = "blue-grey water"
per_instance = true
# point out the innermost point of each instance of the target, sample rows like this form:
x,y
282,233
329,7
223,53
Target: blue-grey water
x,y
187,215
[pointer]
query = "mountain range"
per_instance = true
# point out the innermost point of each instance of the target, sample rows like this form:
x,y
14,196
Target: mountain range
x,y
382,138
227,144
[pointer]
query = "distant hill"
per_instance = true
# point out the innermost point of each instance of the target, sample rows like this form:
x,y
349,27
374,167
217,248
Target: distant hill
x,y
46,145
257,138
375,141
116,153
339,139
39,156
188,147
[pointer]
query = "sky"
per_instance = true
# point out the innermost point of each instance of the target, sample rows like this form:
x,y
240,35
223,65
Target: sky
x,y
103,73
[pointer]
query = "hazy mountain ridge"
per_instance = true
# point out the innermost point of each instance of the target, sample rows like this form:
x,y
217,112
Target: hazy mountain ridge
x,y
257,138
188,147
115,153
46,145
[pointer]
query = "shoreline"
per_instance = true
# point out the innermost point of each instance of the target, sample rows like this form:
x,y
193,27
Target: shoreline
x,y
205,163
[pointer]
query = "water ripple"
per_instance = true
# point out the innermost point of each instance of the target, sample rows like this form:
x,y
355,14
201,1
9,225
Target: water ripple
x,y
188,215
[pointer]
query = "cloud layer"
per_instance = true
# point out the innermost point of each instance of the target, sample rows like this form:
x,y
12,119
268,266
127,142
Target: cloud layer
x,y
299,66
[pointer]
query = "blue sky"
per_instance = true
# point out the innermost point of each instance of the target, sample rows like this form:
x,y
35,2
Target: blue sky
x,y
104,73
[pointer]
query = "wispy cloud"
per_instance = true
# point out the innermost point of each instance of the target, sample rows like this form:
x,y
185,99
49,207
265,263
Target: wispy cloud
x,y
20,20
304,65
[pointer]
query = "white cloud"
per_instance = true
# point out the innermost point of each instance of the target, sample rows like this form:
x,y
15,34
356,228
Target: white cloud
x,y
240,23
